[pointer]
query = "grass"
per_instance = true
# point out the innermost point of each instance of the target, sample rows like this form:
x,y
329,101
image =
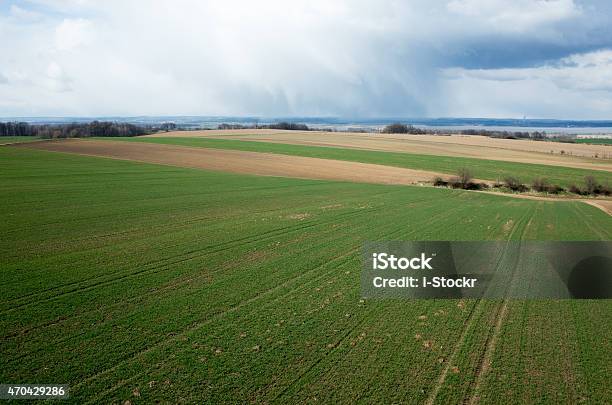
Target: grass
x,y
17,139
140,282
480,168
595,141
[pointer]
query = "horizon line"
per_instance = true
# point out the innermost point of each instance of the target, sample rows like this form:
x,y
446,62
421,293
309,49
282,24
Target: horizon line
x,y
330,117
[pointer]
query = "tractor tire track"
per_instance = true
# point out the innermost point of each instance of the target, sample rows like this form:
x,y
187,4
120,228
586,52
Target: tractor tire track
x,y
233,309
135,299
468,325
192,255
487,357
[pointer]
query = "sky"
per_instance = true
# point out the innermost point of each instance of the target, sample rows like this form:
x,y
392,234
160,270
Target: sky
x,y
340,58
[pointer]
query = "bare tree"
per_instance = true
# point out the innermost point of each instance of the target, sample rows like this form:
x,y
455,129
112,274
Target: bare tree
x,y
465,176
590,184
540,184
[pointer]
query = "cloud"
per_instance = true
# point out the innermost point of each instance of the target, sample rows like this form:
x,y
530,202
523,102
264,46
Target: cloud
x,y
343,58
71,33
24,14
56,79
578,86
517,15
589,71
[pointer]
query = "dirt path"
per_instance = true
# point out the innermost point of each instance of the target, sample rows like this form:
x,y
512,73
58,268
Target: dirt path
x,y
264,164
479,147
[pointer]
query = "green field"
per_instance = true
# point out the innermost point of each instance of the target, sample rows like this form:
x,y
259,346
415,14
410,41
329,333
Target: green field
x,y
481,168
595,141
17,139
147,283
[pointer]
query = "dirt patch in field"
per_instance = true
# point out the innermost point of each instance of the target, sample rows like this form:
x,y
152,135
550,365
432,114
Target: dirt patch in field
x,y
262,164
479,147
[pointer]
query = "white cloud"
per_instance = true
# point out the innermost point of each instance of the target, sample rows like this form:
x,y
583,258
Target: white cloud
x,y
589,71
24,14
71,33
578,86
361,57
516,14
56,79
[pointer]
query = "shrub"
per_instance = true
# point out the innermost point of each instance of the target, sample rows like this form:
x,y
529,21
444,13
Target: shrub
x,y
399,128
575,189
465,176
439,182
555,189
395,128
600,189
515,184
455,182
511,182
476,186
541,184
463,180
590,185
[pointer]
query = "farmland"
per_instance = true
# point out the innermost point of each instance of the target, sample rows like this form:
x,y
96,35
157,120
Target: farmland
x,y
264,164
481,168
17,139
595,141
479,147
143,282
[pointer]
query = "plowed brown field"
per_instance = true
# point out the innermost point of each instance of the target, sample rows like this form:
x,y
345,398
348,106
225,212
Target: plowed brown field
x,y
262,164
511,150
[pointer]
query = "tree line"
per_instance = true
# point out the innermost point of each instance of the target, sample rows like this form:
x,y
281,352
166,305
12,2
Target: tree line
x,y
75,130
537,135
292,126
464,180
399,128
